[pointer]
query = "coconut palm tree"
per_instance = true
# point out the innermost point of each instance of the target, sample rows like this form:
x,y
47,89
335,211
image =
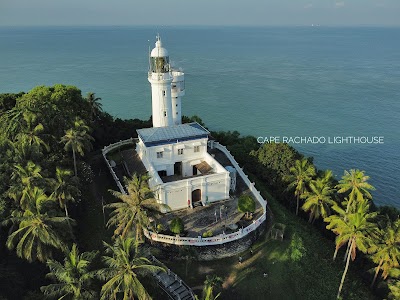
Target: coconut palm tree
x,y
78,140
212,282
24,177
319,200
26,174
357,228
64,189
394,286
387,254
131,214
124,265
38,232
355,184
301,174
31,134
94,104
73,278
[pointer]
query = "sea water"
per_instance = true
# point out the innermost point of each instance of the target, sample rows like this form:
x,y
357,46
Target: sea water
x,y
293,82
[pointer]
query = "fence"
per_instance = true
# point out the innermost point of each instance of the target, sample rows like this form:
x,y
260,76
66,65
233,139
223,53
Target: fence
x,y
199,241
111,147
222,238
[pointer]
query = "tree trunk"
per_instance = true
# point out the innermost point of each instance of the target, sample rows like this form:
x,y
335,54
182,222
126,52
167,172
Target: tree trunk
x,y
310,218
345,271
66,210
297,206
377,272
73,154
336,251
347,251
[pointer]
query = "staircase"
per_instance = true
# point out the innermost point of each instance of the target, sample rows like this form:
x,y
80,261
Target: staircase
x,y
172,284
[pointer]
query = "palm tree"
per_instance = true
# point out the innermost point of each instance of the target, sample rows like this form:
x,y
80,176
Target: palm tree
x,y
38,231
27,174
123,267
355,183
24,177
318,201
327,177
387,254
131,213
64,189
212,282
94,104
394,285
31,134
78,140
357,228
301,175
73,278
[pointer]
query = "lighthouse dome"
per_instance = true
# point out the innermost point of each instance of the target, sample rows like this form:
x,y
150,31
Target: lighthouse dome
x,y
159,59
159,51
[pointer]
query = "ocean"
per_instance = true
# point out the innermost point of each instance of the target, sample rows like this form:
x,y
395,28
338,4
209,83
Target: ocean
x,y
281,82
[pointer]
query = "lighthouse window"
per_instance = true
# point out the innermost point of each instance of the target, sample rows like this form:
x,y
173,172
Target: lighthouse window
x,y
163,93
176,112
176,105
160,154
165,113
180,151
159,64
196,148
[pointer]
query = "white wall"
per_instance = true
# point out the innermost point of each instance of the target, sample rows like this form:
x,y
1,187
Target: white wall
x,y
176,194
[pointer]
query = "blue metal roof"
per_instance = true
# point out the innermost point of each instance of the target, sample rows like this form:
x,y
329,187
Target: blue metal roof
x,y
172,134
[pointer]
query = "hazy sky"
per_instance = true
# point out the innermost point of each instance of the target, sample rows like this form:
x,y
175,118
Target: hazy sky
x,y
200,12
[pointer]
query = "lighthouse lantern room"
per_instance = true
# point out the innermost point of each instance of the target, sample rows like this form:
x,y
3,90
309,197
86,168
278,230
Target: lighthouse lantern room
x,y
167,88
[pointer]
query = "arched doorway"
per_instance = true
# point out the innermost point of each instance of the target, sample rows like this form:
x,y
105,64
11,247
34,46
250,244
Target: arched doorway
x,y
196,195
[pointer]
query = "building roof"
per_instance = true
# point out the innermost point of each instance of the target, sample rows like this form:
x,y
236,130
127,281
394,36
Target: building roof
x,y
172,134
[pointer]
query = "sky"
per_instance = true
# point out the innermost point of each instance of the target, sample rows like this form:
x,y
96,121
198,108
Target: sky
x,y
199,12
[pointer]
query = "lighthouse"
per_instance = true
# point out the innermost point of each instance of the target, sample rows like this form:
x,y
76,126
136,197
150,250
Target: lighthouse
x,y
167,88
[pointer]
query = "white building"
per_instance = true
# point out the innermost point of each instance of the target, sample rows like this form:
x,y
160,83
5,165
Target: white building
x,y
183,174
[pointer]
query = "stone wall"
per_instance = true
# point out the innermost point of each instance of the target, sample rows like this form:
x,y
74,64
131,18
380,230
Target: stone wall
x,y
215,251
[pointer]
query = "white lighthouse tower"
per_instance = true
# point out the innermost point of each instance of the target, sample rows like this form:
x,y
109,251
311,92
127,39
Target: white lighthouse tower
x,y
167,88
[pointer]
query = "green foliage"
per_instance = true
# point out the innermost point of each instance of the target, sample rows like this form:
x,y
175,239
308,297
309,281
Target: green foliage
x,y
176,226
394,288
160,227
239,146
296,248
124,265
74,278
318,200
211,283
356,229
246,204
191,119
108,129
299,178
131,213
355,186
386,250
274,161
207,234
392,212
